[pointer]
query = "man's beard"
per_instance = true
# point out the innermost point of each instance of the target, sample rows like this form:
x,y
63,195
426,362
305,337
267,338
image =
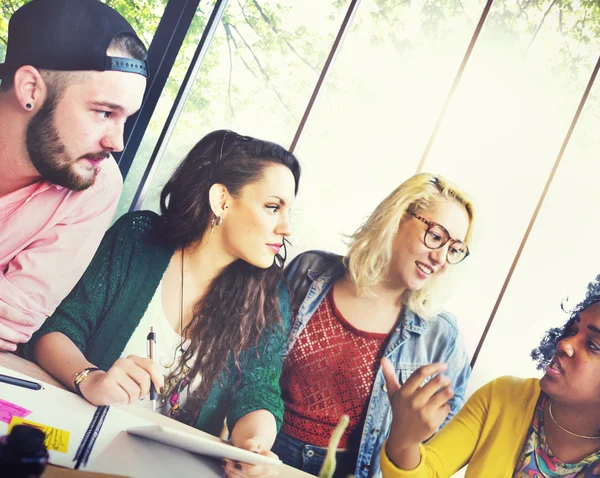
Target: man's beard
x,y
47,152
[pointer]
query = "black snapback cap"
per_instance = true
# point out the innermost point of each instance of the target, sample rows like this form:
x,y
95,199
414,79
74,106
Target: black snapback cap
x,y
68,35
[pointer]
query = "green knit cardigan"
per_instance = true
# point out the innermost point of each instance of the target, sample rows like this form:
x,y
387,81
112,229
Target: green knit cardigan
x,y
103,310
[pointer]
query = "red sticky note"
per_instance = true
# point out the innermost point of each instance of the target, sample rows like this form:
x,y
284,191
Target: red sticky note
x,y
9,410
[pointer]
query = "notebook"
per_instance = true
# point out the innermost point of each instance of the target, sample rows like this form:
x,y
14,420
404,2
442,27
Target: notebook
x,y
80,435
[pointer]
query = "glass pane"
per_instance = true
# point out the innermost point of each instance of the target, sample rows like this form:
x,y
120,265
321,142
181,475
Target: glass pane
x,y
504,130
144,16
163,107
558,262
376,111
256,79
6,11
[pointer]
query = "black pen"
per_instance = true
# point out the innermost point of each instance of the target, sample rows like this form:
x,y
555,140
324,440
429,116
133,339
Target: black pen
x,y
19,382
151,344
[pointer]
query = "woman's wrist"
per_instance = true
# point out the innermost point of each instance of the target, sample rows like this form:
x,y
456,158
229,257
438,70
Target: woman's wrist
x,y
89,382
81,375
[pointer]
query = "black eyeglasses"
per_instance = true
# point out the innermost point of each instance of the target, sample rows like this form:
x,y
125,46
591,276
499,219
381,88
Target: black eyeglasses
x,y
437,236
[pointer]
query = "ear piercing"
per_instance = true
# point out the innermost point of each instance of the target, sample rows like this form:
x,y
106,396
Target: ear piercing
x,y
28,106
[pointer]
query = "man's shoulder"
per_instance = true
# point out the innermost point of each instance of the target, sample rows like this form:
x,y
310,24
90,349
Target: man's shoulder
x,y
110,169
109,180
106,188
101,196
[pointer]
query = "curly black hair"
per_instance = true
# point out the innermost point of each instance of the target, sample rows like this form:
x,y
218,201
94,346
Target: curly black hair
x,y
544,352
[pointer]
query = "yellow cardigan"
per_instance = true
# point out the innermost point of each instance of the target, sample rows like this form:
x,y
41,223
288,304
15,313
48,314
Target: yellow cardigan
x,y
487,434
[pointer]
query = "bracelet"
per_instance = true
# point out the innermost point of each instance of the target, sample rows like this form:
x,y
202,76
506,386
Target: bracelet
x,y
81,376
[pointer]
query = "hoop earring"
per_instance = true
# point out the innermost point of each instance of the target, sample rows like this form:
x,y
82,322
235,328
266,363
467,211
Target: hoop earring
x,y
219,221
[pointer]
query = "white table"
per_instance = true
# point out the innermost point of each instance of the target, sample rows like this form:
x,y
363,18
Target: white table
x,y
155,463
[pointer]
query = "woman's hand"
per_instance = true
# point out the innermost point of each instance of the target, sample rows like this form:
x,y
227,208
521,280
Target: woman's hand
x,y
236,469
127,381
417,411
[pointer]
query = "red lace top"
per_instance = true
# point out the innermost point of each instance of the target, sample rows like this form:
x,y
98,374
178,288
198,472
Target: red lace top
x,y
329,372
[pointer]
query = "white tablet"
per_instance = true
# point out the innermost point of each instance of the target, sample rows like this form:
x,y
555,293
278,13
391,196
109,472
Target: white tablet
x,y
201,445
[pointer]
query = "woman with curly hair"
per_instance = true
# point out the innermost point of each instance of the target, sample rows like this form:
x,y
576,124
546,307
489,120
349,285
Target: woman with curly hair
x,y
206,275
511,427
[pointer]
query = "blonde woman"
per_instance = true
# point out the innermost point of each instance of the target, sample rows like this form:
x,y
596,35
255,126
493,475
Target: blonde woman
x,y
378,301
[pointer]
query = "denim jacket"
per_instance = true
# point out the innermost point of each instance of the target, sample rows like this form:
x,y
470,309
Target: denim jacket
x,y
413,342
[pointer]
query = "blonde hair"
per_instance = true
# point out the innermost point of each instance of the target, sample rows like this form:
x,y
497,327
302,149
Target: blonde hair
x,y
370,251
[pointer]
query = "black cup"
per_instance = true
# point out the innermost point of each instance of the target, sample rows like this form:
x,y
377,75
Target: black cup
x,y
23,453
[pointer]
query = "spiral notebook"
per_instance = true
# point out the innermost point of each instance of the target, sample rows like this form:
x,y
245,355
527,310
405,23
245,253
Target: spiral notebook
x,y
82,436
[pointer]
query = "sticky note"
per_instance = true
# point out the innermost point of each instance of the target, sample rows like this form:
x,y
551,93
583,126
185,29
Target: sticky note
x,y
56,439
9,410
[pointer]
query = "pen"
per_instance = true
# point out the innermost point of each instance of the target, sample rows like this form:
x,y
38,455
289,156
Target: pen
x,y
151,339
19,382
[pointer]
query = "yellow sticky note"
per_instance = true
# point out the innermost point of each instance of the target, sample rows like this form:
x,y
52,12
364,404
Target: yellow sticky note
x,y
56,439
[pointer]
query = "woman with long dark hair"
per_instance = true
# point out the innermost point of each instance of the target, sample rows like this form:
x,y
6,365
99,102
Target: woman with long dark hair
x,y
206,276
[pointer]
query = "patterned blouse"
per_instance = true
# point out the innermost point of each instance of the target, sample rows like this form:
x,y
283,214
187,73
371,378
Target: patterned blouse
x,y
329,371
536,459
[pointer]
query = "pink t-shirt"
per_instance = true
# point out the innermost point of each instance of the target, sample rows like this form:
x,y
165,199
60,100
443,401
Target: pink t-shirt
x,y
48,236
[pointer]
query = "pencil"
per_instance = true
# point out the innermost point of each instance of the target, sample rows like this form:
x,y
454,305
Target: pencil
x,y
19,382
151,343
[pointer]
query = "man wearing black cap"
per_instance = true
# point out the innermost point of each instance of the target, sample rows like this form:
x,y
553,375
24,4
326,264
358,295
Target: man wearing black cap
x,y
74,71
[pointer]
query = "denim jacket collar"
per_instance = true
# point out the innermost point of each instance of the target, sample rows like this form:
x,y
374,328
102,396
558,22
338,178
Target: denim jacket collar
x,y
410,321
328,275
413,323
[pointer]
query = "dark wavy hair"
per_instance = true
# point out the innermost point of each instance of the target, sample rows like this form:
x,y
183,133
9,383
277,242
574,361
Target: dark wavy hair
x,y
241,302
543,354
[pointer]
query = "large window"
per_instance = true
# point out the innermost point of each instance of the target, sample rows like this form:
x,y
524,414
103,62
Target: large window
x,y
502,135
164,105
258,74
373,118
558,260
